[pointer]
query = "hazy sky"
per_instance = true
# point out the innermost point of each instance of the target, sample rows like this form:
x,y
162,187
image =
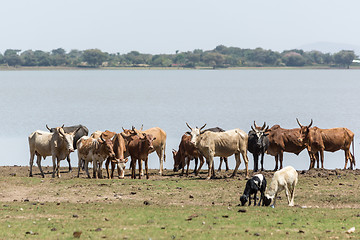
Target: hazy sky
x,y
164,26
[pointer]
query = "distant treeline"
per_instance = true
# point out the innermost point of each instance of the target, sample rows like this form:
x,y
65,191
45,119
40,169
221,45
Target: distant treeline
x,y
220,57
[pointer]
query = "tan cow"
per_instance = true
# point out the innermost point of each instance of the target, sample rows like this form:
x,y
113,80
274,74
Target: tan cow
x,y
159,143
221,144
57,144
95,151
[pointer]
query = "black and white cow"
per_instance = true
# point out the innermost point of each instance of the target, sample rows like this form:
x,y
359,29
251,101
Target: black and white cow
x,y
258,143
253,185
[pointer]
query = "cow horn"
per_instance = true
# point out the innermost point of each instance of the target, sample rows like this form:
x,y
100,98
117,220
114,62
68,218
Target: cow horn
x,y
101,138
252,128
142,126
310,123
203,126
188,125
256,126
267,128
48,127
263,127
298,122
123,129
133,128
63,126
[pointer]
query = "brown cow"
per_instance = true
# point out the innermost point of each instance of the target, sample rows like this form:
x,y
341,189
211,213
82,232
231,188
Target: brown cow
x,y
139,149
283,140
331,140
187,151
120,158
159,143
95,151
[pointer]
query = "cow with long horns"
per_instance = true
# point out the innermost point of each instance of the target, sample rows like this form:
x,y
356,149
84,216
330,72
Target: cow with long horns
x,y
258,143
331,140
220,144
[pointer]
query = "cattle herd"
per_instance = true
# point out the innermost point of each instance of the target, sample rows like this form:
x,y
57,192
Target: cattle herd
x,y
196,144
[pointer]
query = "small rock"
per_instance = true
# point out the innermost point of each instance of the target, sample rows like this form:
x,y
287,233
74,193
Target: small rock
x,y
351,230
75,216
58,203
242,210
146,202
106,219
246,230
77,234
257,234
13,174
163,227
225,216
301,231
132,193
26,200
98,230
279,223
191,196
53,229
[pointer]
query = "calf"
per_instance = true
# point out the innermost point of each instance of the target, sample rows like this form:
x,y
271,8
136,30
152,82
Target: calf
x,y
57,144
285,178
139,148
95,151
187,151
253,185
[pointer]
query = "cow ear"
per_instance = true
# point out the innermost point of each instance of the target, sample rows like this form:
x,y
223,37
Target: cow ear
x,y
266,134
188,133
154,138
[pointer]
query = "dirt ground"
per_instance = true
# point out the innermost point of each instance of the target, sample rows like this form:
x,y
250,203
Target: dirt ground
x,y
316,188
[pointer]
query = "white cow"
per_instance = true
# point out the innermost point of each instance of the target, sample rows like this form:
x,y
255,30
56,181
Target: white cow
x,y
57,144
221,144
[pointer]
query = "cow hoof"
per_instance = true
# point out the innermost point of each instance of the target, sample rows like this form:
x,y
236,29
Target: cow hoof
x,y
30,175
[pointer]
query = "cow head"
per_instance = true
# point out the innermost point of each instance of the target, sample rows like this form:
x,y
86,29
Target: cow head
x,y
149,139
106,147
195,133
127,133
243,200
267,200
65,139
304,131
178,164
261,133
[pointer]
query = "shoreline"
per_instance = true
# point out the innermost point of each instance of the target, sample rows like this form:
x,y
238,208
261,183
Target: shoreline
x,y
62,68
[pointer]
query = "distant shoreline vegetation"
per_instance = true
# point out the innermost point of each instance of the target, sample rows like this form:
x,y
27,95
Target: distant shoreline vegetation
x,y
220,57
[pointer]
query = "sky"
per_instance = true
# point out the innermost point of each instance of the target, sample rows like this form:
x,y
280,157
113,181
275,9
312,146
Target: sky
x,y
165,26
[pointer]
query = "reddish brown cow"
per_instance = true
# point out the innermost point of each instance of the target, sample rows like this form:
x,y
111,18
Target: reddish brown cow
x,y
139,148
120,159
187,151
331,140
283,140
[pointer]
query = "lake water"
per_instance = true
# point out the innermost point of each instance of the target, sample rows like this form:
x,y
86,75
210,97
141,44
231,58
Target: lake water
x,y
112,99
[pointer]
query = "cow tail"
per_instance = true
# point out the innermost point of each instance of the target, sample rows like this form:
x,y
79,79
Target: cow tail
x,y
353,151
164,153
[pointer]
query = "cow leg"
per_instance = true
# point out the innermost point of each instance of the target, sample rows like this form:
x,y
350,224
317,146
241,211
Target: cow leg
x,y
161,154
79,166
68,159
255,198
276,162
188,165
86,166
226,164
58,168
107,162
321,159
38,161
262,161
196,163
54,165
141,172
238,161
95,169
146,168
292,192
133,167
281,159
202,161
221,161
99,170
32,155
256,162
210,161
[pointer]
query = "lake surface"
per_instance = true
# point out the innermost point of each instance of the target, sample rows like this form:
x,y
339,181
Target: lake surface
x,y
112,99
